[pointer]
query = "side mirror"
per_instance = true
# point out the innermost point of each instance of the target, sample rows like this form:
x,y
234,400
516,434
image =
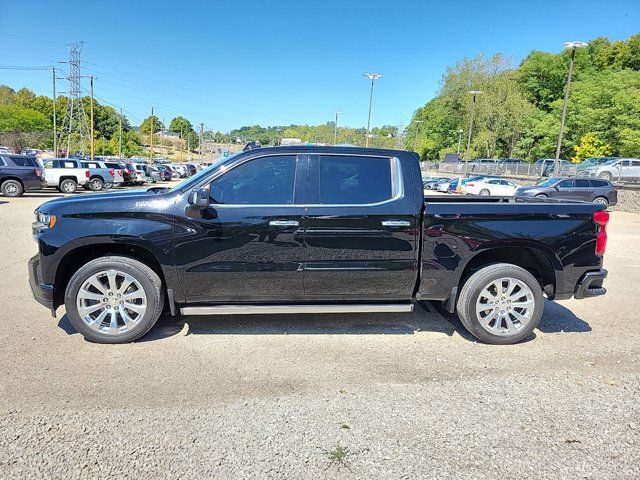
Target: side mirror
x,y
199,197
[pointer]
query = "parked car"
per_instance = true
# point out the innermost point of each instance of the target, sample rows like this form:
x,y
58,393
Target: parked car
x,y
66,174
153,173
167,173
101,176
251,234
141,173
447,186
565,168
19,173
182,170
483,165
619,169
589,165
585,189
433,182
491,186
512,165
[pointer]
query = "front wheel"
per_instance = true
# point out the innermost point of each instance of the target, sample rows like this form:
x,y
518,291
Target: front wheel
x,y
114,299
501,304
601,201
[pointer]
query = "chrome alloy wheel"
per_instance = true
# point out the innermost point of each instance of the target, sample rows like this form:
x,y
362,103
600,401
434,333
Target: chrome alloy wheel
x,y
11,189
505,306
111,302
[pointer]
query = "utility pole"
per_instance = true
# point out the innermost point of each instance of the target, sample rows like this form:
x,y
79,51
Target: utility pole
x,y
201,141
460,132
373,77
399,133
474,93
120,135
91,113
75,120
181,144
151,152
335,129
573,46
161,133
55,128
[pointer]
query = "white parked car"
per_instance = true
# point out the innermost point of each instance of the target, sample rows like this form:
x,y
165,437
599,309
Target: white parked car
x,y
491,186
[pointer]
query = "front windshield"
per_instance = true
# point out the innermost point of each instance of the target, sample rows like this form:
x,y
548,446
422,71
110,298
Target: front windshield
x,y
548,183
187,182
609,162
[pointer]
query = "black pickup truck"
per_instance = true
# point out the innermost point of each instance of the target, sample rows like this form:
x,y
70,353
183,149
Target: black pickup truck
x,y
311,230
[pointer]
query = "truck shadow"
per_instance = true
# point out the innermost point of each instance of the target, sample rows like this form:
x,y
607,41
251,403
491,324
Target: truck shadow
x,y
426,317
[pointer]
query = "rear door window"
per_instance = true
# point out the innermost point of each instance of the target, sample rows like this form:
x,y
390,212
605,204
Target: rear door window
x,y
345,179
582,183
599,183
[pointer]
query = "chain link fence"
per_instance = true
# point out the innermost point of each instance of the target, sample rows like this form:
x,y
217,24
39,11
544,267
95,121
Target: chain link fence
x,y
622,171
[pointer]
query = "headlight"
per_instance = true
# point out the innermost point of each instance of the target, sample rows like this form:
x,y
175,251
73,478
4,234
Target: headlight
x,y
44,220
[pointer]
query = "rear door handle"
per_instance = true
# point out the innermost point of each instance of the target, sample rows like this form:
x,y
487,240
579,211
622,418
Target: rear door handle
x,y
395,223
284,223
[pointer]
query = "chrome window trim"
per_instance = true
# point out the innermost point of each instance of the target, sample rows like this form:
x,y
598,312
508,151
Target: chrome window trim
x,y
397,184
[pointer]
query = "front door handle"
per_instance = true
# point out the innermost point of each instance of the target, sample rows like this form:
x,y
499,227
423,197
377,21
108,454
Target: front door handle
x,y
284,223
395,223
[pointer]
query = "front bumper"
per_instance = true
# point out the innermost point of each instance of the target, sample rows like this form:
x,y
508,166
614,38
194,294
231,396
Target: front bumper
x,y
590,285
42,292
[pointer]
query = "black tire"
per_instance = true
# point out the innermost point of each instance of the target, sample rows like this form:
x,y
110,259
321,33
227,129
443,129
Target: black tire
x,y
474,286
11,188
96,184
484,192
601,201
606,176
148,279
68,186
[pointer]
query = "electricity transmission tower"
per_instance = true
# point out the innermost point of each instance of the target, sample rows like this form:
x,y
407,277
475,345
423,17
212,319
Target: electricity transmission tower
x,y
75,127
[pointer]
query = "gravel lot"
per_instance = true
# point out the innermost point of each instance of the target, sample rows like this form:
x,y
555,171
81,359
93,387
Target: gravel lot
x,y
349,396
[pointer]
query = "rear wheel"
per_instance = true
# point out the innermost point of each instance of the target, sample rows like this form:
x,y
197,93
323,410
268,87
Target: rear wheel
x,y
541,195
606,176
11,188
68,186
501,304
96,184
484,192
114,299
601,201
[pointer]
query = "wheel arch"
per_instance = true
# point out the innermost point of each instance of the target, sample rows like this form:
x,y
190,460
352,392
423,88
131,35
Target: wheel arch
x,y
67,177
534,260
79,256
12,177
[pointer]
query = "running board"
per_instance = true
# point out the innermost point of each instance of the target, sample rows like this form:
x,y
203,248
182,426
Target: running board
x,y
269,309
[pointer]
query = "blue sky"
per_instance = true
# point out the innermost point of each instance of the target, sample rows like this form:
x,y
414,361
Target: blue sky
x,y
229,64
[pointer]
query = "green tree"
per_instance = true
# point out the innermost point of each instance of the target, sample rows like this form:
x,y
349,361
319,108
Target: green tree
x,y
590,146
180,124
20,119
145,127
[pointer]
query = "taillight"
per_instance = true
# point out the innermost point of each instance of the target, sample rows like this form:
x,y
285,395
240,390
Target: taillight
x,y
87,174
38,172
601,218
112,173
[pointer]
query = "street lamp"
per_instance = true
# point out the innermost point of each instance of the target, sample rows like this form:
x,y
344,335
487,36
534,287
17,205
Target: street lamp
x,y
573,46
474,94
460,132
373,77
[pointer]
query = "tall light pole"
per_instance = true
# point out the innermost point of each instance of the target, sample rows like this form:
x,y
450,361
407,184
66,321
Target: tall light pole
x,y
55,118
335,128
474,94
460,132
573,46
373,77
120,135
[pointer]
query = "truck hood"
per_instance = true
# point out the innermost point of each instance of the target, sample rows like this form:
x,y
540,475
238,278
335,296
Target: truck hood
x,y
121,201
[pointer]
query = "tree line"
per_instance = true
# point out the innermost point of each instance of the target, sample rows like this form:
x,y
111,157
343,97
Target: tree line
x,y
518,112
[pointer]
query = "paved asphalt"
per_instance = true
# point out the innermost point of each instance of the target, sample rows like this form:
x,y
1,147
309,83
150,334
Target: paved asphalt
x,y
321,396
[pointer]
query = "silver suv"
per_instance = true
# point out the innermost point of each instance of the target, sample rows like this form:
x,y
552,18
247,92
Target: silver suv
x,y
623,169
